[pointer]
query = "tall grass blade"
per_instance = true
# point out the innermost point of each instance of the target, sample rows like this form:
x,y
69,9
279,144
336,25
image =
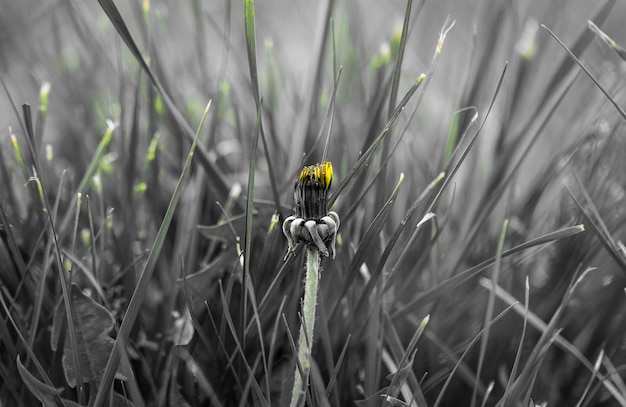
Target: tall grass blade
x,y
145,276
249,218
254,79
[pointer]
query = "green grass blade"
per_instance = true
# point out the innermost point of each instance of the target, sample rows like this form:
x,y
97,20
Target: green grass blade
x,y
248,10
145,276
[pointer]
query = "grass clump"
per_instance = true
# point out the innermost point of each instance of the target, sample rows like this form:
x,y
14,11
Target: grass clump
x,y
142,261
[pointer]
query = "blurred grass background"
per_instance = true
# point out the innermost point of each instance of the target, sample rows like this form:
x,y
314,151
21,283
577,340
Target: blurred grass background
x,y
369,310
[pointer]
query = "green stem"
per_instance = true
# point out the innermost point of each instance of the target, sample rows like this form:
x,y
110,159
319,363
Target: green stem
x,y
305,341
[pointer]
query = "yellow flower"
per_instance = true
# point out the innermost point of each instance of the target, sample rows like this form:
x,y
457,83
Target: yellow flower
x,y
311,190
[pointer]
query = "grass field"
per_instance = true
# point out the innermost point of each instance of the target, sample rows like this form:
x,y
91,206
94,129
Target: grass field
x,y
148,156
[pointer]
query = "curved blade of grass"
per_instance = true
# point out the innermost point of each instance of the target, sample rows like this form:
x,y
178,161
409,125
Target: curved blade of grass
x,y
213,172
367,243
145,276
463,276
580,44
586,71
491,302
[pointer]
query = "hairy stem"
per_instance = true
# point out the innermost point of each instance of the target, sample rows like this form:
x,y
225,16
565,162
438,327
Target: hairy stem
x,y
305,341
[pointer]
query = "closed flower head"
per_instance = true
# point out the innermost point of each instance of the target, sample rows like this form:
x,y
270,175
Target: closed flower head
x,y
311,190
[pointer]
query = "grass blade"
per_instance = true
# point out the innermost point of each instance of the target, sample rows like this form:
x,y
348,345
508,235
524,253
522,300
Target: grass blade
x,y
249,218
394,387
395,81
490,309
586,71
254,79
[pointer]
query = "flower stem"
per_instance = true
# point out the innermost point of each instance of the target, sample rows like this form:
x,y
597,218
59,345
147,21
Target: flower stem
x,y
305,341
